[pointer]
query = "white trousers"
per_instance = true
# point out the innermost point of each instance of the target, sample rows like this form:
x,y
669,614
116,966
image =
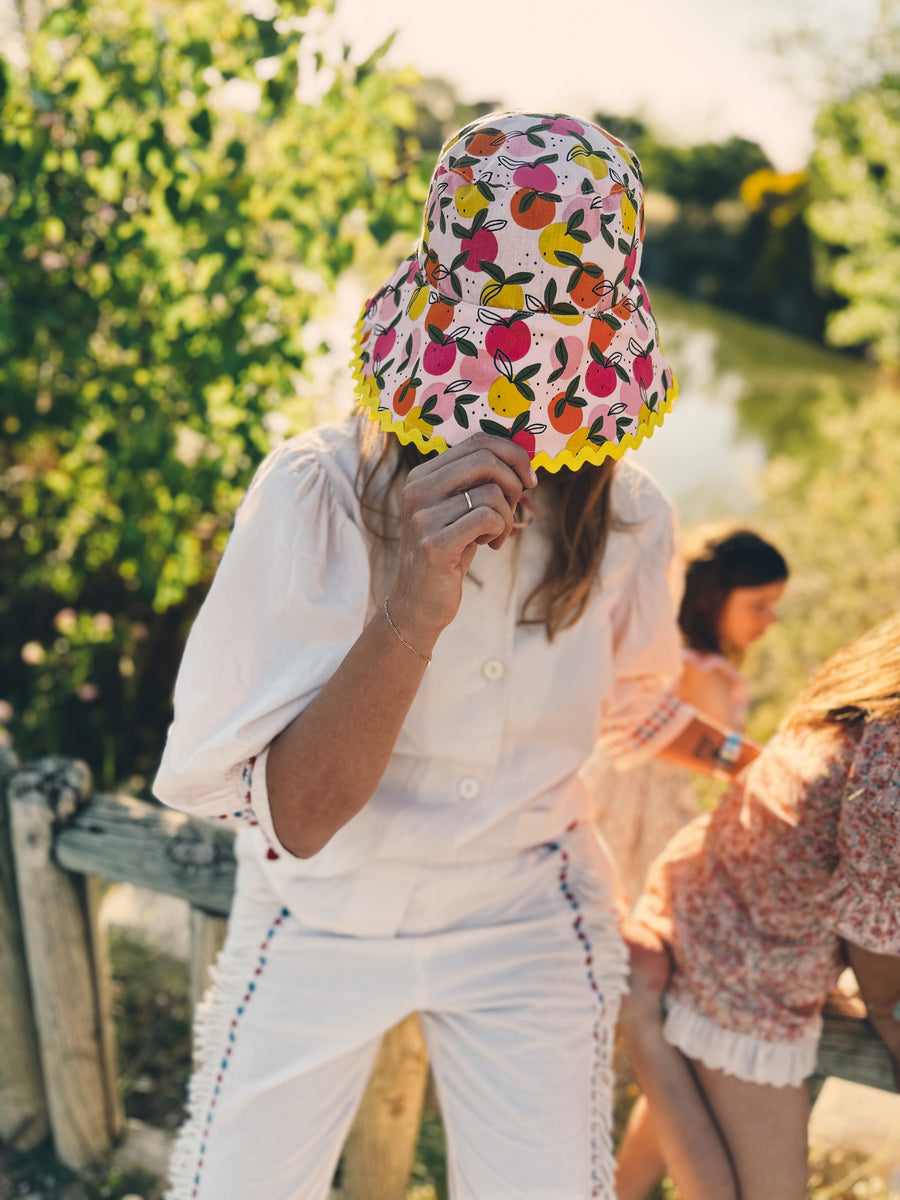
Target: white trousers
x,y
517,998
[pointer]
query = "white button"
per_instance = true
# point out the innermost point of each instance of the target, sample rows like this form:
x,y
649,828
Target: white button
x,y
469,788
493,669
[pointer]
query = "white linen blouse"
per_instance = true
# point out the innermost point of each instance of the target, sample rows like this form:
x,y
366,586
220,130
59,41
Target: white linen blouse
x,y
486,764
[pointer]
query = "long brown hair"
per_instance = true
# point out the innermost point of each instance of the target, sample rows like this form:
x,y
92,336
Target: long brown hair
x,y
861,680
581,516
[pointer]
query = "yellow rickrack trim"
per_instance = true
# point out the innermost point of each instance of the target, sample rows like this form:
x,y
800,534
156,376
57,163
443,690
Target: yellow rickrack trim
x,y
370,398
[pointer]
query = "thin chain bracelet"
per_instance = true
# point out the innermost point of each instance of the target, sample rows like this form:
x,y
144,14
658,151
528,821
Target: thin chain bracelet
x,y
426,658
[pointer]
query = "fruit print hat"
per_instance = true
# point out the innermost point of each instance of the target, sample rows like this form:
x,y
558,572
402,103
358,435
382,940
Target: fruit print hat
x,y
521,312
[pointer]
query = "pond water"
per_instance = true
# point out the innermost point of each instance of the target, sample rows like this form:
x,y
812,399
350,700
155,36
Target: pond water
x,y
746,391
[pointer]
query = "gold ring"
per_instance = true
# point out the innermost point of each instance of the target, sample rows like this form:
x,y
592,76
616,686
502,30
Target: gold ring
x,y
469,504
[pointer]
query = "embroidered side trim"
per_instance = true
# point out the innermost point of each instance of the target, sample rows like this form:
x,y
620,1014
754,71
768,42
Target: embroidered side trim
x,y
209,1076
603,1033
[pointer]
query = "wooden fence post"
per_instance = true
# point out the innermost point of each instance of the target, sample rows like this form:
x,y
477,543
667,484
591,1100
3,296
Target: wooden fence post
x,y
379,1152
23,1107
207,938
66,964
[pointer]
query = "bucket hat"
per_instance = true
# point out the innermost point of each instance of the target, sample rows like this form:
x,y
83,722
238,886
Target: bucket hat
x,y
521,311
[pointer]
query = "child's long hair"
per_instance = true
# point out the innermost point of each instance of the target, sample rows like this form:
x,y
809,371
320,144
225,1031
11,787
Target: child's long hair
x,y
861,680
582,521
720,563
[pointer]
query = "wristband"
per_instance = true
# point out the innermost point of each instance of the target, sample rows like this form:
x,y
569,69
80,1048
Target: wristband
x,y
727,755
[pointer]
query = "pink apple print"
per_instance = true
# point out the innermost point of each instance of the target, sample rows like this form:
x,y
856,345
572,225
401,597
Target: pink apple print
x,y
642,367
481,372
565,125
526,439
643,370
512,338
592,216
442,403
600,378
482,247
630,265
537,175
525,434
384,343
440,354
390,305
631,398
574,348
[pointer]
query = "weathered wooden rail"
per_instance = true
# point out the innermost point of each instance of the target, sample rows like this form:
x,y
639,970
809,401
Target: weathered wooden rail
x,y
58,1074
57,1065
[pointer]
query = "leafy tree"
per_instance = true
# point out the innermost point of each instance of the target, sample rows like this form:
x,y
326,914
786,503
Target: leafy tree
x,y
169,212
855,212
708,172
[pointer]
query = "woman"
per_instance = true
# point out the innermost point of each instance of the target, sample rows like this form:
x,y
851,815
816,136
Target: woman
x,y
760,905
396,693
734,581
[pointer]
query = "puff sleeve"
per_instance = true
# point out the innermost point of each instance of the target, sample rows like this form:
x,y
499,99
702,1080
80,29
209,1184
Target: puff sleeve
x,y
862,901
288,600
641,713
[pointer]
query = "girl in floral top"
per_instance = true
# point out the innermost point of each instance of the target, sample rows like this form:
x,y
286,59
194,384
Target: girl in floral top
x,y
734,580
760,905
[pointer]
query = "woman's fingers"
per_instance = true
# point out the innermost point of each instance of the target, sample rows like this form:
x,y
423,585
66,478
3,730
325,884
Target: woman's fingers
x,y
484,472
464,498
476,456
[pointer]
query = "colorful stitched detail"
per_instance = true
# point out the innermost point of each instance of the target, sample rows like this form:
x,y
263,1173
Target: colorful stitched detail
x,y
599,1180
246,813
232,1037
621,743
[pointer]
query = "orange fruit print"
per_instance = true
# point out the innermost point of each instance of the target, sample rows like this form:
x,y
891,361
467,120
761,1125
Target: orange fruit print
x,y
486,142
531,210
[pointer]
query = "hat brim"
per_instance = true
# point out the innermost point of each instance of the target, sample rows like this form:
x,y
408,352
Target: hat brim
x,y
437,410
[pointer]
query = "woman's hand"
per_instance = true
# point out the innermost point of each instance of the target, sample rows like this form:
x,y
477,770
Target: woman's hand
x,y
440,532
650,968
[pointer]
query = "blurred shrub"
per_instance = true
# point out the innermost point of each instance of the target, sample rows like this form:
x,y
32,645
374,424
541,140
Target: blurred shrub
x,y
855,213
170,214
836,513
732,232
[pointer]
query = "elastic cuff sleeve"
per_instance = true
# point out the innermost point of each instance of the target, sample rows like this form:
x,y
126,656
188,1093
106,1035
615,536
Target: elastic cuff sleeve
x,y
630,747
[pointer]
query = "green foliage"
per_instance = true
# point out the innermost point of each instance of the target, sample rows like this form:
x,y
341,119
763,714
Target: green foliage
x,y
836,513
703,174
162,244
855,212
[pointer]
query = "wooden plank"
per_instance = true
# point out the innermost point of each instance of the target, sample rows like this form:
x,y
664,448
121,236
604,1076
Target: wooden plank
x,y
207,939
381,1146
57,914
23,1113
152,847
851,1049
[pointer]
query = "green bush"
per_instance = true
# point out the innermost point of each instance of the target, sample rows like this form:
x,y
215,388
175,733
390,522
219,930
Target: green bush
x,y
170,215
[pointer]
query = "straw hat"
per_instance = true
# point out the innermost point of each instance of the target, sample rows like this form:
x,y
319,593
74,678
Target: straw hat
x,y
522,311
